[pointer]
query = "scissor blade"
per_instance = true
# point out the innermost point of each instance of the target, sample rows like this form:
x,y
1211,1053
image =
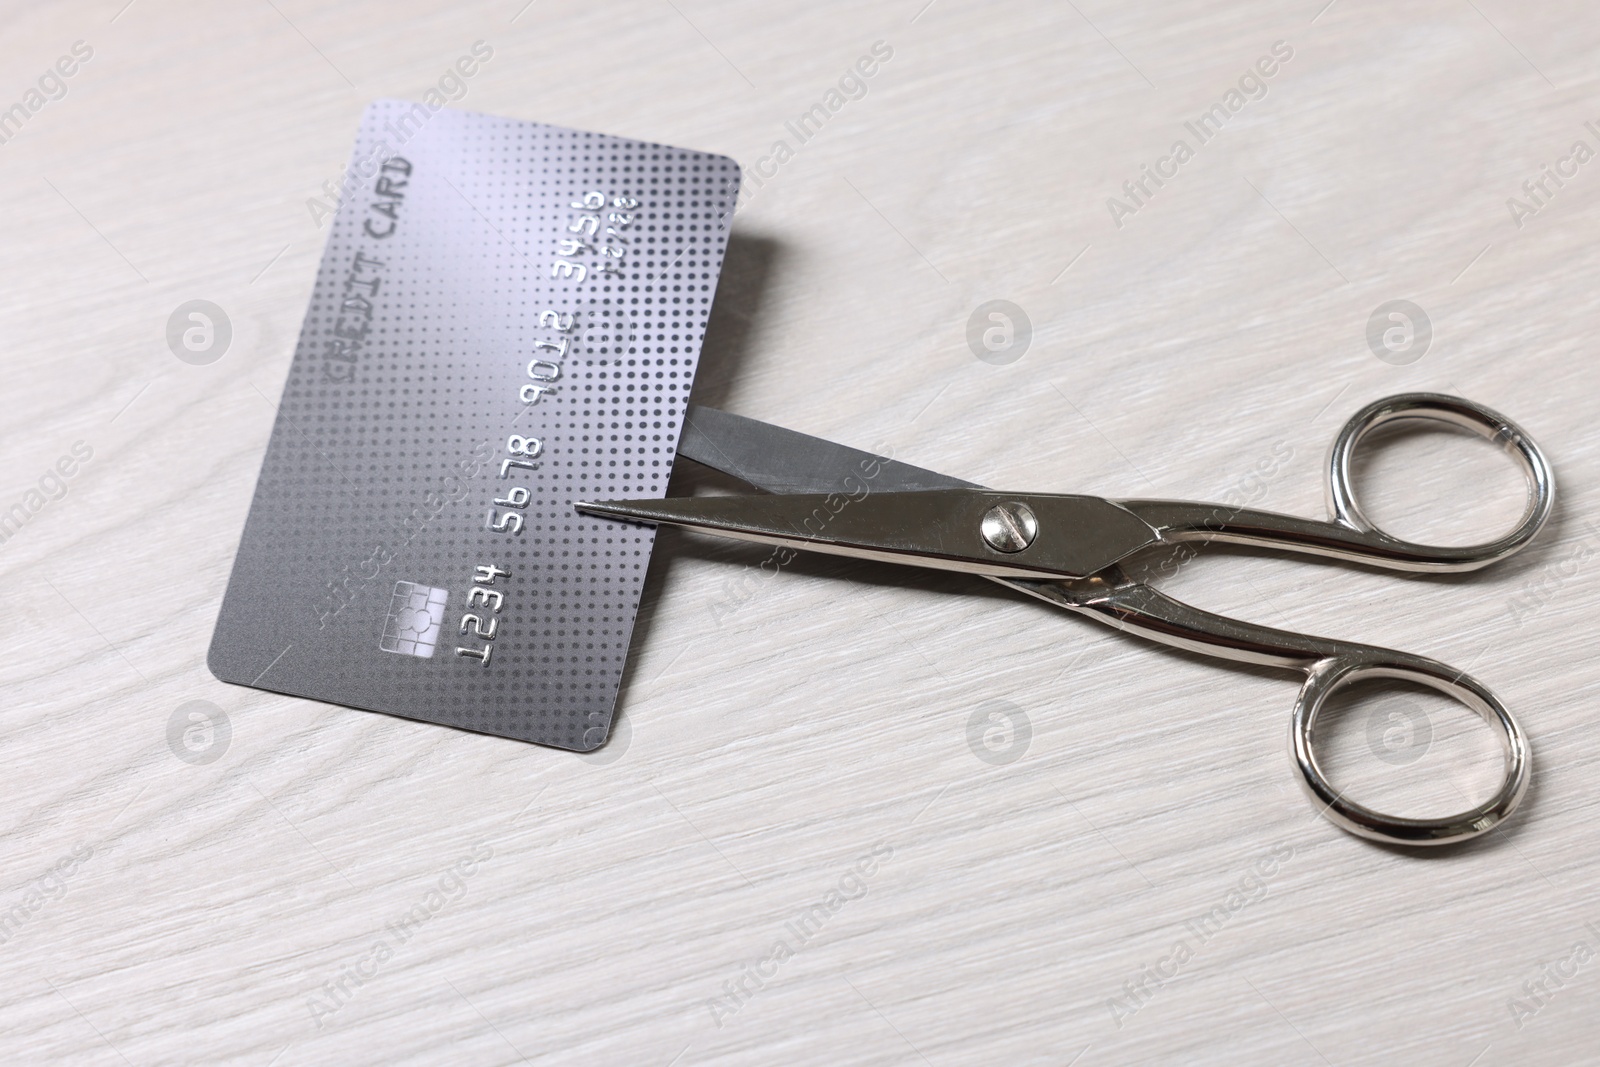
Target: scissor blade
x,y
785,461
943,529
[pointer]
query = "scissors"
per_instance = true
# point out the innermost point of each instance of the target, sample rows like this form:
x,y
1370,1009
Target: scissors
x,y
1066,550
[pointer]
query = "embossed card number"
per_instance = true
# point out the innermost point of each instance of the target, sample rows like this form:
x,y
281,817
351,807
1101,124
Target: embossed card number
x,y
610,248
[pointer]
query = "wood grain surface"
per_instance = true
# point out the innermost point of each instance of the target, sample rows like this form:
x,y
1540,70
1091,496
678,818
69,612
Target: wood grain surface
x,y
850,814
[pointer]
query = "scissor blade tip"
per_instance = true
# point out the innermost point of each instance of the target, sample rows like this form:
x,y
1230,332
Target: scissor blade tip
x,y
617,509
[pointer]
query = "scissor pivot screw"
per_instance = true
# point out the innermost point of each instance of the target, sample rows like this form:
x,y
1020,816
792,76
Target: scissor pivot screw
x,y
1009,527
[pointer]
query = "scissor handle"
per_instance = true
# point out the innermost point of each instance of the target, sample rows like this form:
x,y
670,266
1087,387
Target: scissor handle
x,y
1134,607
1333,673
1343,508
1348,533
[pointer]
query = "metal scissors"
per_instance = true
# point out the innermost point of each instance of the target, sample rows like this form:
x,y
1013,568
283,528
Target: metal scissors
x,y
1066,551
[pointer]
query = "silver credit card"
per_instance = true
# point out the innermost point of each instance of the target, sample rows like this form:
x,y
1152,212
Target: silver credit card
x,y
507,318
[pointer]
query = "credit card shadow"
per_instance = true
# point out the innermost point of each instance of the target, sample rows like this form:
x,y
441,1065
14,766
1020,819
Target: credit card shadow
x,y
747,270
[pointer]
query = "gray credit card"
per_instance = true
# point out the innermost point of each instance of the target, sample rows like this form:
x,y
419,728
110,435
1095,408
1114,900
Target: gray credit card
x,y
507,318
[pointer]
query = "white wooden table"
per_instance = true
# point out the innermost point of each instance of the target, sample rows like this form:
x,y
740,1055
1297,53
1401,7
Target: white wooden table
x,y
777,731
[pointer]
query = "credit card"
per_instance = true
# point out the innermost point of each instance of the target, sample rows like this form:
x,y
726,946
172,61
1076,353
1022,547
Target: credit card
x,y
507,318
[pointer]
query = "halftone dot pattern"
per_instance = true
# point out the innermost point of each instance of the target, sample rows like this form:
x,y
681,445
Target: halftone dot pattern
x,y
404,400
